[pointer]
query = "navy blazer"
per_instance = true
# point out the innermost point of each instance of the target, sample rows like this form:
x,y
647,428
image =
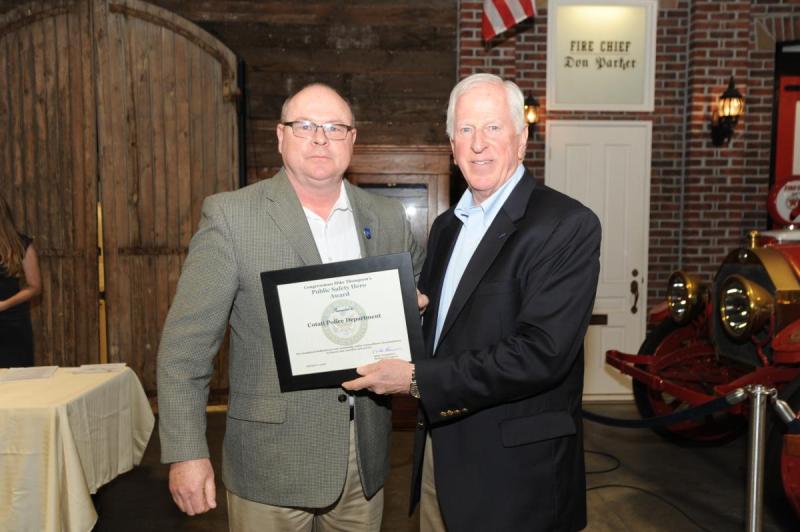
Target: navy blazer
x,y
501,396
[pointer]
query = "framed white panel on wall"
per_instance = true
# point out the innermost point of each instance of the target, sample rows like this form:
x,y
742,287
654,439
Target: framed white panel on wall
x,y
601,55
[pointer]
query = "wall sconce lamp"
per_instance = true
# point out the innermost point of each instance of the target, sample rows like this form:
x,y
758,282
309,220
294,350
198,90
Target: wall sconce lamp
x,y
723,120
532,113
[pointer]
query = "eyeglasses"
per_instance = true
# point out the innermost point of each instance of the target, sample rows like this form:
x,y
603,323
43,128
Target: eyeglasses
x,y
306,129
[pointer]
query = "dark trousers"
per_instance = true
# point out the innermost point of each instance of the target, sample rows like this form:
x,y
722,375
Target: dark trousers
x,y
16,343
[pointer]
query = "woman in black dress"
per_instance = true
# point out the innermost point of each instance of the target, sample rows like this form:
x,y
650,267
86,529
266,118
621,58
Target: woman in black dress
x,y
20,280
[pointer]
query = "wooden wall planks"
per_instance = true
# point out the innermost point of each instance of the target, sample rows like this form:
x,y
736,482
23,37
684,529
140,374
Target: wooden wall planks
x,y
48,168
395,60
167,140
121,102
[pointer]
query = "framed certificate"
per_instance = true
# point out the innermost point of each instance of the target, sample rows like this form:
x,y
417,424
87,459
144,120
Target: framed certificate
x,y
328,319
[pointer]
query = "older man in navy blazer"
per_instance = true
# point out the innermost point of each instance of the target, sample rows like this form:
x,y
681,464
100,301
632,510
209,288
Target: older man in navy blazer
x,y
511,274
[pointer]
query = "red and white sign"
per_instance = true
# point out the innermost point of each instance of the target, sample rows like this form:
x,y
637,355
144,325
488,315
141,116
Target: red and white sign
x,y
784,201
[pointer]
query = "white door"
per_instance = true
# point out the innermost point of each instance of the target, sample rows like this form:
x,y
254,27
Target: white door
x,y
606,166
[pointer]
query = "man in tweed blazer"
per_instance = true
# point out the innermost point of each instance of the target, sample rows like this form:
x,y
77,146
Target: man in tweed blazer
x,y
291,461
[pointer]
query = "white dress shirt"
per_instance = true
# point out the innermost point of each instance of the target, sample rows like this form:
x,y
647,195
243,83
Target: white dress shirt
x,y
336,237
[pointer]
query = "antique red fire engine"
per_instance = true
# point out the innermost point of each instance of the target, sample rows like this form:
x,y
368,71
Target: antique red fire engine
x,y
743,326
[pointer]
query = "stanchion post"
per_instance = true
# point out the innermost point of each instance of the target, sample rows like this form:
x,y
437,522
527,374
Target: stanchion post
x,y
755,478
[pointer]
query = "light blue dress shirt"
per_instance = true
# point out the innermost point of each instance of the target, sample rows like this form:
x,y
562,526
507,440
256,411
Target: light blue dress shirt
x,y
476,219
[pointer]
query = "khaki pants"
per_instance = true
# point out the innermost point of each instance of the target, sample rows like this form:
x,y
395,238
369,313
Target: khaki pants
x,y
430,518
352,512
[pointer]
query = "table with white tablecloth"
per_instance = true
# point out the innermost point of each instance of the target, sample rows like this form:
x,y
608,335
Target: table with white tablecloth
x,y
63,437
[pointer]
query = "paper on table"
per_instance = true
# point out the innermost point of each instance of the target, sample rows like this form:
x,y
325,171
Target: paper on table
x,y
100,368
21,374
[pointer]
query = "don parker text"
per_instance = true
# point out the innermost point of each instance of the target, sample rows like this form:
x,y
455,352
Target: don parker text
x,y
604,55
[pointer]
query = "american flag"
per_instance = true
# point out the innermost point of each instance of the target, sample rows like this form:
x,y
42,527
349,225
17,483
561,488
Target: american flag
x,y
500,15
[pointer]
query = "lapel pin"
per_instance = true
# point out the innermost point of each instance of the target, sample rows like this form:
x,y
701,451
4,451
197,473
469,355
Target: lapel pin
x,y
367,233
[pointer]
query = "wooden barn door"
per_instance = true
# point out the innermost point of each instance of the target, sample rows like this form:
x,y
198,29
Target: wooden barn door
x,y
167,138
124,103
48,167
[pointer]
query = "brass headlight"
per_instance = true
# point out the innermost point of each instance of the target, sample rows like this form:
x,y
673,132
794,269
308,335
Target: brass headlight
x,y
682,297
744,306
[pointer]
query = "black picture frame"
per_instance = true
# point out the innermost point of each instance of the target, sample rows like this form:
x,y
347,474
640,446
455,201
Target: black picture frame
x,y
271,280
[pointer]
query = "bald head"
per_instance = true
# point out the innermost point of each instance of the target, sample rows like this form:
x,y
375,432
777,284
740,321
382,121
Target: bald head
x,y
308,94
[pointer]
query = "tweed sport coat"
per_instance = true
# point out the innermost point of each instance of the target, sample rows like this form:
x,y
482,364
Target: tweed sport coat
x,y
284,449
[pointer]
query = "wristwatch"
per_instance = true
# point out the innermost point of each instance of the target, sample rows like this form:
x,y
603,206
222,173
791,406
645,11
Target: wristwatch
x,y
413,389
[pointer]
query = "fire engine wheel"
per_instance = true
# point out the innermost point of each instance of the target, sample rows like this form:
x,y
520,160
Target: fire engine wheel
x,y
775,494
713,430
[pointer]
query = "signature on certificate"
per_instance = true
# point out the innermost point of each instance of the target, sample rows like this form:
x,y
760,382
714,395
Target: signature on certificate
x,y
385,352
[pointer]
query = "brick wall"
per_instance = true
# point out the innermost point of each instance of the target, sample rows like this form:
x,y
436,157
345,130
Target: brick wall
x,y
703,199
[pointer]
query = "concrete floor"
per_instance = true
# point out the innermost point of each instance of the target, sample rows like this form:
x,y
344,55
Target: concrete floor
x,y
656,486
